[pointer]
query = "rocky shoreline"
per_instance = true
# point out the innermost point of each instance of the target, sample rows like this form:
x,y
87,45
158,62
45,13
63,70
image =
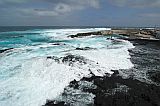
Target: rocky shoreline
x,y
149,34
138,86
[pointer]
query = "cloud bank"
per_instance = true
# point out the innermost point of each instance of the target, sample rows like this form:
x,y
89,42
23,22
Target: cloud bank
x,y
57,7
79,12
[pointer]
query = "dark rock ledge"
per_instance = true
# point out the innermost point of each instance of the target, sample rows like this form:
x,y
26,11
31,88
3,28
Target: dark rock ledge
x,y
5,50
85,48
116,91
80,35
133,34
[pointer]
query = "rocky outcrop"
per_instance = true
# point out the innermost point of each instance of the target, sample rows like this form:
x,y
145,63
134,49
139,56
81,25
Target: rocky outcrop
x,y
116,91
73,58
4,50
85,48
106,32
136,33
113,91
131,33
85,34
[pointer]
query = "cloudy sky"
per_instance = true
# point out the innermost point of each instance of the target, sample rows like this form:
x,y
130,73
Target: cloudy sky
x,y
80,12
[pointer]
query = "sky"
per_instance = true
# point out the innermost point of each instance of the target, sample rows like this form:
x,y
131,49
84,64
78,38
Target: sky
x,y
80,13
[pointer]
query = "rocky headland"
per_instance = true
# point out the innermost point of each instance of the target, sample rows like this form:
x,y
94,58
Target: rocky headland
x,y
134,33
80,35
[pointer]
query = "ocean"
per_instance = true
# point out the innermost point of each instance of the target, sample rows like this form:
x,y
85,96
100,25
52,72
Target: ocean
x,y
37,63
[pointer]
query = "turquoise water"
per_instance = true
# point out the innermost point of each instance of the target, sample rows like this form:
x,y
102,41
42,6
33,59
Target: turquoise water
x,y
28,78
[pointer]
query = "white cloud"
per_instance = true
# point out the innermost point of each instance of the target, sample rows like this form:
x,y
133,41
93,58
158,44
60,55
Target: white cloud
x,y
59,7
62,7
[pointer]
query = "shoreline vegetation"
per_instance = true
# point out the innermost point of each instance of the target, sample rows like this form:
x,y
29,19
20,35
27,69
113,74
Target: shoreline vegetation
x,y
118,91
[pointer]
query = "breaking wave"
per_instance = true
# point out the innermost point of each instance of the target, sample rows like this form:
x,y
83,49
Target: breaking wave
x,y
42,63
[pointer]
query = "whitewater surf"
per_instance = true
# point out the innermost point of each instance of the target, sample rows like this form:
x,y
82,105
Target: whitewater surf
x,y
37,65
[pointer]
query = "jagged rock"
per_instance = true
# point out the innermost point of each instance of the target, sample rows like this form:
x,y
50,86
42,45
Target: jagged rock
x,y
107,32
73,58
56,59
156,77
4,50
85,48
85,34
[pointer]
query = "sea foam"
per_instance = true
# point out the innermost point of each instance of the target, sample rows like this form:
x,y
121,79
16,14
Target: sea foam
x,y
29,78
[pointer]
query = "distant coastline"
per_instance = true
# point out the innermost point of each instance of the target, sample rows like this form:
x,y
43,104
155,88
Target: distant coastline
x,y
23,28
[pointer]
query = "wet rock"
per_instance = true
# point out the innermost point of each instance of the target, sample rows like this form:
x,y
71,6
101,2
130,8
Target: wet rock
x,y
116,91
74,84
4,50
155,77
128,92
85,48
73,58
115,72
54,103
56,59
85,34
49,57
57,44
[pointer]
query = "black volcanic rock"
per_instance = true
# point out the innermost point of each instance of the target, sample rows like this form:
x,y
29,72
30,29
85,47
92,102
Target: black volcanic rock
x,y
117,91
85,48
73,58
155,77
58,44
54,103
137,94
85,34
4,50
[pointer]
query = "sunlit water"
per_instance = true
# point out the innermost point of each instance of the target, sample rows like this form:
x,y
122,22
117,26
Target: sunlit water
x,y
28,78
